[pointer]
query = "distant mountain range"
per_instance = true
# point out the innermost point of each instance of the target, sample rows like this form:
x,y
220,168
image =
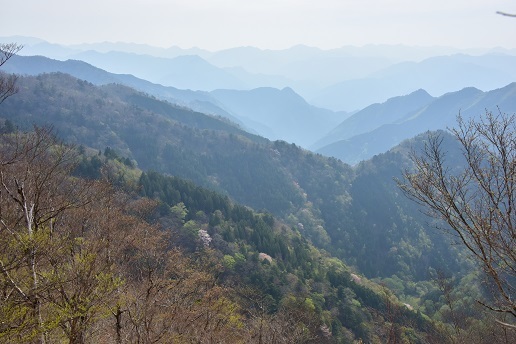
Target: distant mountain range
x,y
184,72
436,75
344,79
374,116
279,114
273,113
196,100
401,118
231,78
283,114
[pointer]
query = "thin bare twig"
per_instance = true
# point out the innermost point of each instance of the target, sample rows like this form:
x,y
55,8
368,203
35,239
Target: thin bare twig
x,y
506,14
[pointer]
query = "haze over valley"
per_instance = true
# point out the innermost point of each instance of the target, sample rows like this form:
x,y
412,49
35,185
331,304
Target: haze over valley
x,y
269,172
301,95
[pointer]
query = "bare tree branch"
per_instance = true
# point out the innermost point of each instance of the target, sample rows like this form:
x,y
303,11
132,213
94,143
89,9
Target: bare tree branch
x,y
478,201
506,14
506,324
8,50
8,82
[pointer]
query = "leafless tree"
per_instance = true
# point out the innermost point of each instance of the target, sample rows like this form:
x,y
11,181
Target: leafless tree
x,y
7,82
477,203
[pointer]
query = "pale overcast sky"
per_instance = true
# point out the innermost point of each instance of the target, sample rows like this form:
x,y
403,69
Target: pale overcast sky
x,y
274,24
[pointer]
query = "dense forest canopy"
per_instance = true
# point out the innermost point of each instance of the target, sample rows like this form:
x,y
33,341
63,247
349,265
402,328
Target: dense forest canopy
x,y
164,213
84,261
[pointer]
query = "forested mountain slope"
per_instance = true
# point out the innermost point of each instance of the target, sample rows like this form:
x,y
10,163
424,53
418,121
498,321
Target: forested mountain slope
x,y
356,214
271,112
115,263
208,151
317,194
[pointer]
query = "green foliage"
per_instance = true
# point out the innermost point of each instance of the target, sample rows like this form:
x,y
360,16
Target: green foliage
x,y
215,172
337,207
241,236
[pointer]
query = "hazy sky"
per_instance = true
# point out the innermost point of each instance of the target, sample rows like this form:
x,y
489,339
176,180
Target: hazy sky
x,y
218,24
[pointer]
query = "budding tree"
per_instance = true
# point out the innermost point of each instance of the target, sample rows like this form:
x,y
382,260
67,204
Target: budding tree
x,y
55,279
477,203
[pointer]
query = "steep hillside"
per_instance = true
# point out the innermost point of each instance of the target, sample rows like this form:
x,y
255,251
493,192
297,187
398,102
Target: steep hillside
x,y
318,195
119,258
354,214
158,135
